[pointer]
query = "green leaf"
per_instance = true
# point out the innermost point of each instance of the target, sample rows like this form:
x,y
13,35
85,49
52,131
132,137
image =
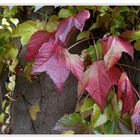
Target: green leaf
x,y
51,25
64,13
68,132
26,29
101,21
82,35
131,35
97,118
11,52
5,22
2,118
72,122
27,71
11,84
111,127
137,45
103,9
33,110
15,21
13,65
9,12
88,104
121,9
116,126
118,21
92,52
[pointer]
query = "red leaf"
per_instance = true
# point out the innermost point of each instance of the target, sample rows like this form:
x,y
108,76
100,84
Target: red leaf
x,y
113,47
35,42
98,81
51,59
136,117
66,25
114,75
75,65
57,62
126,92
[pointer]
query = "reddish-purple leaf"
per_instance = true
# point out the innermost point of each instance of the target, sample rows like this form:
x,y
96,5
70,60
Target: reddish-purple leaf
x,y
98,81
136,117
35,42
67,24
51,59
75,64
113,47
125,92
57,62
114,75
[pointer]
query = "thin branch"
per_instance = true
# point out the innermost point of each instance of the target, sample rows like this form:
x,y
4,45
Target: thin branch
x,y
41,14
95,47
70,34
78,43
121,67
137,69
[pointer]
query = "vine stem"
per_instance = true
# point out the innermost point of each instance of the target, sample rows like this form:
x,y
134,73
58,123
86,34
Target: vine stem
x,y
137,69
95,47
78,43
70,34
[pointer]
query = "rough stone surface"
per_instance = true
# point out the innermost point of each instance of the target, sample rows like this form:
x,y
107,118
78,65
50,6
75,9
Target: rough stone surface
x,y
52,105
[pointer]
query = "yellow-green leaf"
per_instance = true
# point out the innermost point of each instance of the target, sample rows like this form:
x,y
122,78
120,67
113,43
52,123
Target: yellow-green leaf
x,y
137,45
13,65
26,29
88,104
64,13
84,34
51,25
33,111
68,132
15,21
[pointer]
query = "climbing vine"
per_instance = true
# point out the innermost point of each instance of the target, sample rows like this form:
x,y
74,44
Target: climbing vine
x,y
108,103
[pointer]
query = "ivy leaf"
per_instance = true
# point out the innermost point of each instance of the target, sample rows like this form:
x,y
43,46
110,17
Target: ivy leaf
x,y
34,109
126,92
50,56
113,47
71,122
64,13
82,35
26,29
118,21
57,62
92,52
97,117
131,35
74,64
35,43
51,25
116,126
67,24
137,45
136,117
88,104
51,59
98,81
